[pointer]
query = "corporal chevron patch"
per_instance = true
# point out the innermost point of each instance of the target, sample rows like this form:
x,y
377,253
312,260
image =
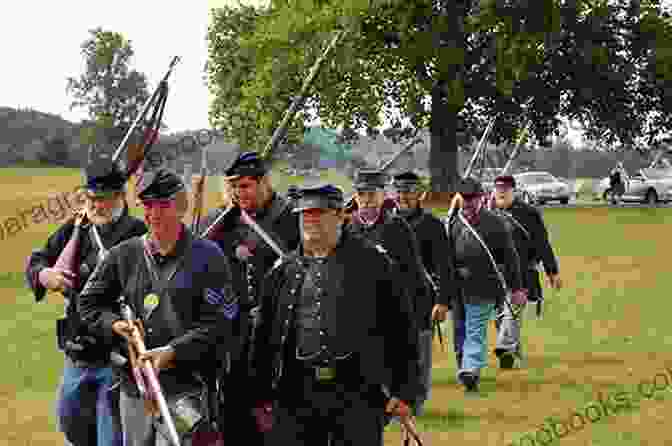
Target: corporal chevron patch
x,y
225,299
229,311
216,296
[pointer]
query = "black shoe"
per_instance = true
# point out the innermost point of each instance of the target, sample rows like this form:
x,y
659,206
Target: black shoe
x,y
470,382
507,360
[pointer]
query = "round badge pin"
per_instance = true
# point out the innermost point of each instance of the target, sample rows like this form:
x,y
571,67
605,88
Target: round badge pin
x,y
151,300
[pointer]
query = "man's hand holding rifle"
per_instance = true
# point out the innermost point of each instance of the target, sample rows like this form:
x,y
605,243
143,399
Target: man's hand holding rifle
x,y
146,366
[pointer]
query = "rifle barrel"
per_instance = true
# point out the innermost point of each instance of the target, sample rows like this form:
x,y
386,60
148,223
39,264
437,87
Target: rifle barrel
x,y
298,100
145,109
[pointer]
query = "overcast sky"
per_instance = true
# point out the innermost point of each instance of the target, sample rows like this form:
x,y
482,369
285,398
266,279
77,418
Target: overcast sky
x,y
41,48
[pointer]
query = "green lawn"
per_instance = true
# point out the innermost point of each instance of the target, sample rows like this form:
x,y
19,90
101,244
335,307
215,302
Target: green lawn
x,y
606,331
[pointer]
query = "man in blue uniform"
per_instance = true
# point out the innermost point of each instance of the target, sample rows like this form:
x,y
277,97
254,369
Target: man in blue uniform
x,y
87,408
251,258
180,288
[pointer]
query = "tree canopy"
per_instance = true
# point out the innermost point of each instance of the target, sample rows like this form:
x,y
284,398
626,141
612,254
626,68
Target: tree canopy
x,y
112,93
450,65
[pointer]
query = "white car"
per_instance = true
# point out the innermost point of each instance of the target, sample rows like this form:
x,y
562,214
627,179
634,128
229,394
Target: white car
x,y
649,186
543,187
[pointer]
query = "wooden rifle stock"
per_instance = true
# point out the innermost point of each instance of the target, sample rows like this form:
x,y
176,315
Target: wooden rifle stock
x,y
155,401
69,259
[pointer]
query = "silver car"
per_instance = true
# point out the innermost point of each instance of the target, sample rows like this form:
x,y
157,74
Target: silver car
x,y
649,186
543,187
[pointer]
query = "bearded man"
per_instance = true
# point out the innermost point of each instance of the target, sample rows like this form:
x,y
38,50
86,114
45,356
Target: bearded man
x,y
87,408
181,291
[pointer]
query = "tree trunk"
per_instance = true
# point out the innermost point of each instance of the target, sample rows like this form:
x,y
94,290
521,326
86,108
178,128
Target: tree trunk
x,y
443,161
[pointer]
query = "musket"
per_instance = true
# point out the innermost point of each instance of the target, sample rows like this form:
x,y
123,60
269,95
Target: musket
x,y
350,205
148,373
280,131
69,258
509,162
160,91
102,251
470,166
516,149
199,193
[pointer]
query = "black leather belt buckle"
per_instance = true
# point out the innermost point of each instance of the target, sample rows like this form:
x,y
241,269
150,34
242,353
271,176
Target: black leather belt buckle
x,y
324,373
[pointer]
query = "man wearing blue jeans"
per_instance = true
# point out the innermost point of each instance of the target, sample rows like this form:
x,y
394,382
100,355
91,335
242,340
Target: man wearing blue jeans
x,y
481,248
87,407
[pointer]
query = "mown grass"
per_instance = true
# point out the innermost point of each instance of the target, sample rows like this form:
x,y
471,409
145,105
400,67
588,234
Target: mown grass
x,y
606,331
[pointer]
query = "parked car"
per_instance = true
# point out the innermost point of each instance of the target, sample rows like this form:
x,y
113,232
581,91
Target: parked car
x,y
542,187
648,186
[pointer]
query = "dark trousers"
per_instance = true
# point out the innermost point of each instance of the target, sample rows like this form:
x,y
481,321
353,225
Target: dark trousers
x,y
343,412
238,419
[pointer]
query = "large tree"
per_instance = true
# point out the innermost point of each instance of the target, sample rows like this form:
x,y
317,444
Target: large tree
x,y
449,65
112,93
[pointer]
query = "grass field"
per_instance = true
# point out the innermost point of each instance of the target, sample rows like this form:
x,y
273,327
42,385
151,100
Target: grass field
x,y
605,332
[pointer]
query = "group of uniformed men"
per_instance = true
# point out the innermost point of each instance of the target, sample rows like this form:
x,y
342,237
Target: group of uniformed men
x,y
322,344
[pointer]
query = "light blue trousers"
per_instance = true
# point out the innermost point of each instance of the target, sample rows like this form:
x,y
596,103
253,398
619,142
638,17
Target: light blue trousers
x,y
87,412
470,328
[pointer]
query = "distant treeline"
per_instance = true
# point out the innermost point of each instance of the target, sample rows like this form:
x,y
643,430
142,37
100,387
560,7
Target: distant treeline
x,y
30,136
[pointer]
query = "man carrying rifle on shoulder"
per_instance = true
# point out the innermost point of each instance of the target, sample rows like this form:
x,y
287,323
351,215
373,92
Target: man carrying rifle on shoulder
x,y
487,268
378,222
87,410
180,292
531,239
251,258
336,346
433,242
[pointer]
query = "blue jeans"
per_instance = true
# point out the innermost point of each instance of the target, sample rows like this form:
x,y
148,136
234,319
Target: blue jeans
x,y
86,408
470,334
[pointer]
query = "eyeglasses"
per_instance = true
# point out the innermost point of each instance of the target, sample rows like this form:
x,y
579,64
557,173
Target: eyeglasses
x,y
158,204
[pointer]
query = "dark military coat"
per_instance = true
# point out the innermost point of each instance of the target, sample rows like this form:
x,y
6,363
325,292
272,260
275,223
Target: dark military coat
x,y
365,312
533,244
124,228
474,271
195,314
433,243
278,221
397,237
